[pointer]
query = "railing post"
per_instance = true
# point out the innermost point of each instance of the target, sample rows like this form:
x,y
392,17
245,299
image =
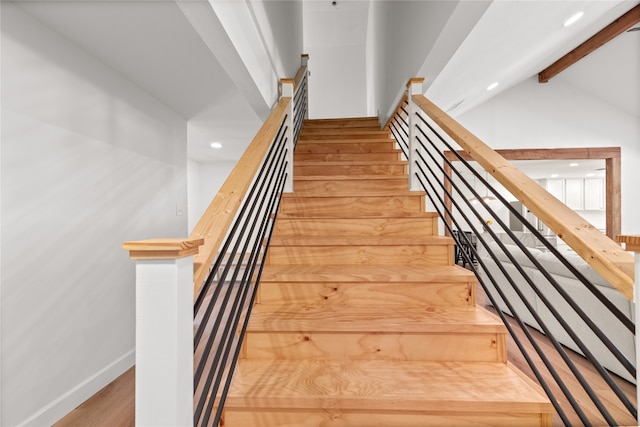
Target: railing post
x,y
632,243
164,330
414,87
286,90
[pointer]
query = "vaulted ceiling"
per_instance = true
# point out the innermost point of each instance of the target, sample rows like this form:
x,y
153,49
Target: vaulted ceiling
x,y
156,46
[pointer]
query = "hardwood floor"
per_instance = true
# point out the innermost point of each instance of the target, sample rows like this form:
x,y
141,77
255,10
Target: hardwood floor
x,y
113,406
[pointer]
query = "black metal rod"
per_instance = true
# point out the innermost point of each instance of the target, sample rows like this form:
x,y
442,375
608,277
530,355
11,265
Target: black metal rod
x,y
204,289
210,342
275,197
226,342
567,360
577,309
628,323
263,174
545,360
604,374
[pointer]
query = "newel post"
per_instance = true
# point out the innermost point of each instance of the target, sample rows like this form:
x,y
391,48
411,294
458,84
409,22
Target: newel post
x,y
286,90
633,244
414,87
164,330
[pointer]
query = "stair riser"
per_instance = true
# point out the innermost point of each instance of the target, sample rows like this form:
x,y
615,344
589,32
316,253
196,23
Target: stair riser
x,y
397,204
451,347
353,126
416,255
343,418
371,122
350,187
346,157
329,170
317,147
356,227
332,134
400,295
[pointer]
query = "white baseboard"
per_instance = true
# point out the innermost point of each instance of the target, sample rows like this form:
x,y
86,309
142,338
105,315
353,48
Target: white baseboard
x,y
66,403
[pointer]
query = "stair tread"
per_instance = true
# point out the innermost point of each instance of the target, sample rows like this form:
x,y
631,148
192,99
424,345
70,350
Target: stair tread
x,y
336,139
432,319
359,273
337,196
351,162
354,215
402,177
381,385
368,215
361,240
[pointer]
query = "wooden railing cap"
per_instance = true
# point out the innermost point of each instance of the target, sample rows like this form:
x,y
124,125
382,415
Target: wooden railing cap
x,y
632,242
415,80
167,248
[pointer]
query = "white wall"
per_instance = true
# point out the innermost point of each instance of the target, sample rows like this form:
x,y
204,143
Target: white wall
x,y
410,30
267,35
205,179
193,193
88,161
555,114
335,39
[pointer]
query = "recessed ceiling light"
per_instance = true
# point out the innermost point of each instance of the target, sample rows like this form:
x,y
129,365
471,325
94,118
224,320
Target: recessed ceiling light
x,y
216,145
573,164
590,174
573,19
554,175
492,86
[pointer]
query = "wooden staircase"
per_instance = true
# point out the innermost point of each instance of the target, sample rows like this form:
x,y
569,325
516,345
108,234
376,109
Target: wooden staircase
x,y
362,319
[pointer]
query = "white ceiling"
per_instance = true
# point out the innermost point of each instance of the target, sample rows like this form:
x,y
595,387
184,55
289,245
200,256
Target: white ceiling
x,y
155,46
515,40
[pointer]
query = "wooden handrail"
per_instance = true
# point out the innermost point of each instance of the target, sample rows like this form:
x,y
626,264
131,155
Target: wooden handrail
x,y
298,78
217,219
602,253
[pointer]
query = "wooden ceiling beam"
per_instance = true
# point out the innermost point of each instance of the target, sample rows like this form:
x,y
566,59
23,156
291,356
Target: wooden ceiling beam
x,y
617,27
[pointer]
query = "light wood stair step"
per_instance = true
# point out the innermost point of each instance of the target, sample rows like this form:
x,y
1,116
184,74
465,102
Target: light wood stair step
x,y
372,286
412,320
395,168
359,273
340,240
425,333
368,294
349,226
343,147
270,393
390,155
296,205
355,185
344,134
372,122
362,250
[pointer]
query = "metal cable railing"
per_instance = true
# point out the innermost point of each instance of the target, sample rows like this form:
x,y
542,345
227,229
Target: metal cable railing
x,y
399,127
300,103
522,282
